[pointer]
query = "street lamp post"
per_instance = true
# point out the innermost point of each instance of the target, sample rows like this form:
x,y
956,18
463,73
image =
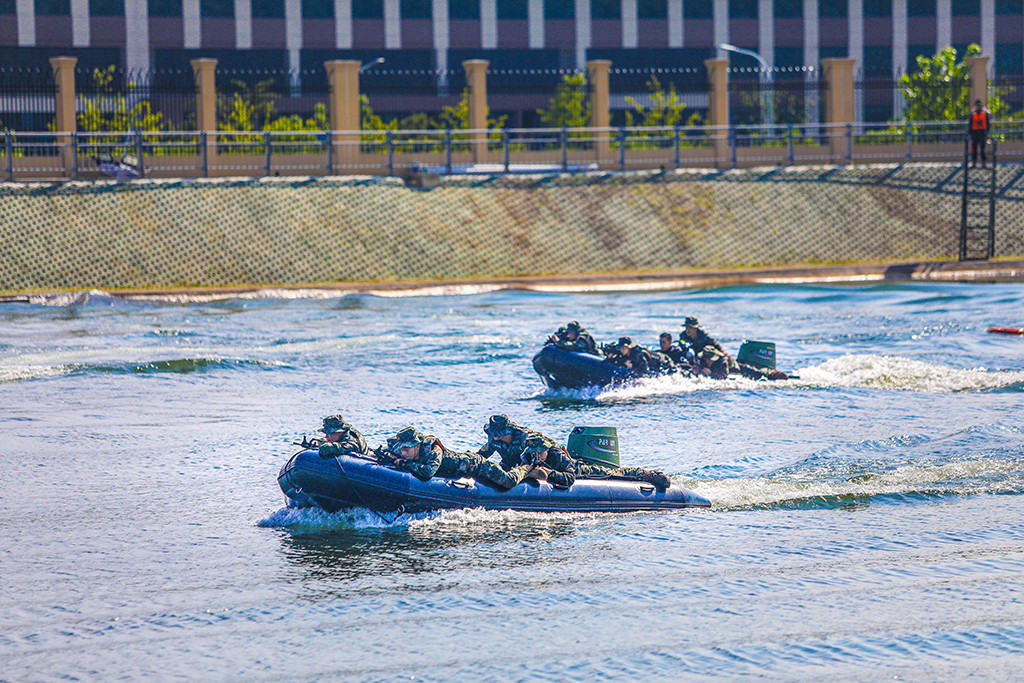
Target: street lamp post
x,y
765,80
365,67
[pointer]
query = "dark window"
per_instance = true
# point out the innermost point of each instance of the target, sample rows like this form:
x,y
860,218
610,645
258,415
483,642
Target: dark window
x,y
787,9
786,57
915,51
53,7
652,9
367,9
1015,7
1009,59
605,9
165,8
268,9
217,8
832,8
464,9
921,8
877,8
8,7
877,60
106,8
317,9
417,9
742,9
698,9
966,8
559,9
832,52
513,9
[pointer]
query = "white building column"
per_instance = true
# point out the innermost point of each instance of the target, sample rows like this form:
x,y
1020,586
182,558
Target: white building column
x,y
136,30
766,31
988,28
812,55
293,34
535,20
442,35
243,24
392,24
192,25
343,24
26,10
584,32
855,18
81,31
899,48
629,24
720,21
943,25
675,24
489,24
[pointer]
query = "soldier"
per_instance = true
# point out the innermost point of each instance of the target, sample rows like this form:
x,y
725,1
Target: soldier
x,y
536,456
679,354
634,356
694,336
573,337
341,438
426,457
712,362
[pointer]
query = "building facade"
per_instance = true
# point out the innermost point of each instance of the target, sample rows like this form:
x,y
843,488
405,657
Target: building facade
x,y
883,36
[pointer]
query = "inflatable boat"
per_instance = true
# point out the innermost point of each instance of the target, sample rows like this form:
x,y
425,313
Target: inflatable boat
x,y
333,483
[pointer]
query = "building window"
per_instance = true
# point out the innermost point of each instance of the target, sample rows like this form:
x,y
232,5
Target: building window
x,y
921,8
652,9
788,57
106,8
268,9
966,8
8,7
877,8
559,9
164,8
1013,7
1009,59
217,8
417,9
367,9
742,9
698,9
464,9
53,7
830,8
789,9
317,9
605,9
513,9
877,60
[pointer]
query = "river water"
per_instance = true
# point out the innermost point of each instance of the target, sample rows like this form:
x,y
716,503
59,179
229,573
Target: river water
x,y
864,522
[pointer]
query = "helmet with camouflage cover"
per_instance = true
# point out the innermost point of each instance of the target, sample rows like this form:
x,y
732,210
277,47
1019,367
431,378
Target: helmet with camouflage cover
x,y
574,326
335,423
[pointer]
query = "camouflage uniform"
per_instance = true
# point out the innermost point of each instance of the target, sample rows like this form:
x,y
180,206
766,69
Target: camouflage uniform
x,y
432,458
639,358
714,360
702,341
583,343
351,442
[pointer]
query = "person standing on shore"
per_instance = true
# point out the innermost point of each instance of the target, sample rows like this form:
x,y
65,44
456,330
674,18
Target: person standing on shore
x,y
979,124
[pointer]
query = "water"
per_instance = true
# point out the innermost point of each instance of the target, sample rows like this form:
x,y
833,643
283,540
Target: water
x,y
865,522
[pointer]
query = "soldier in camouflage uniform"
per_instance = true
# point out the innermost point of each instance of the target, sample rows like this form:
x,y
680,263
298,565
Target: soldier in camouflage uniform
x,y
680,355
711,362
425,457
341,438
636,358
530,454
573,337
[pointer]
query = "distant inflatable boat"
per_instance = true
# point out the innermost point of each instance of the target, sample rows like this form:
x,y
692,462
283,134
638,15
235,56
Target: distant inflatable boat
x,y
1006,330
331,484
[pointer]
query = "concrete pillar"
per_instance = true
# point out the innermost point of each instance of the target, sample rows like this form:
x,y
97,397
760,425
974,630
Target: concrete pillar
x,y
718,109
977,72
839,104
66,116
203,71
476,80
600,107
343,97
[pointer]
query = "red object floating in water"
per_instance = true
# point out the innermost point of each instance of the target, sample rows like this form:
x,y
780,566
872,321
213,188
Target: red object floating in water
x,y
1006,330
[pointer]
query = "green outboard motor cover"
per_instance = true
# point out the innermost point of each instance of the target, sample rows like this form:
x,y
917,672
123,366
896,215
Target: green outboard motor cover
x,y
760,354
599,445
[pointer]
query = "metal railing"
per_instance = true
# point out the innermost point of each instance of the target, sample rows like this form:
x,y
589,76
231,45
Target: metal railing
x,y
45,156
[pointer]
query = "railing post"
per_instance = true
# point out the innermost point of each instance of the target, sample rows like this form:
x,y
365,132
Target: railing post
x,y
74,155
565,149
138,154
675,142
505,148
910,152
849,143
448,151
792,157
266,152
330,152
205,153
9,147
621,135
733,135
389,145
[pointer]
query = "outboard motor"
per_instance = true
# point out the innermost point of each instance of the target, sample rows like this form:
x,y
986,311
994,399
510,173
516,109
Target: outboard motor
x,y
599,445
760,354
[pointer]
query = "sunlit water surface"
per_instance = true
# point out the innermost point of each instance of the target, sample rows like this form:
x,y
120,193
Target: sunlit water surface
x,y
865,522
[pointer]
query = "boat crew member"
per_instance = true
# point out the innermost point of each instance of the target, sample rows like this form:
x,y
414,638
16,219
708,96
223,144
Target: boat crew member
x,y
978,127
712,362
573,337
544,458
635,357
679,354
341,438
425,457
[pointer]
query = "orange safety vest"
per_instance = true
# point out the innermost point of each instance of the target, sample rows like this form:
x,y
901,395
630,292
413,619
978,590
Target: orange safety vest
x,y
979,120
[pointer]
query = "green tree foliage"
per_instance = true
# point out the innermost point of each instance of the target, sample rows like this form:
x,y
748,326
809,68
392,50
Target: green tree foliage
x,y
940,88
666,108
109,112
566,109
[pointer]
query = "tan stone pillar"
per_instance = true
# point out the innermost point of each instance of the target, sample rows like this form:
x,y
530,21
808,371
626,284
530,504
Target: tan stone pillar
x,y
718,109
600,107
204,72
839,104
66,116
977,72
476,80
343,111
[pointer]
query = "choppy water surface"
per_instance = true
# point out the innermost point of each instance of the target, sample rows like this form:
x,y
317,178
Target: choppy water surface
x,y
866,524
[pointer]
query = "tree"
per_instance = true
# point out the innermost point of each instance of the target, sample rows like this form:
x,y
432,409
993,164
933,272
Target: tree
x,y
666,108
566,109
940,88
108,111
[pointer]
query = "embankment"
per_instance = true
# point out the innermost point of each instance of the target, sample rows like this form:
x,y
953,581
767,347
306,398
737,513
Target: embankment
x,y
290,232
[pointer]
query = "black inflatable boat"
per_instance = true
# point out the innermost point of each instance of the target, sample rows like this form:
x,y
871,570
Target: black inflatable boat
x,y
344,481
